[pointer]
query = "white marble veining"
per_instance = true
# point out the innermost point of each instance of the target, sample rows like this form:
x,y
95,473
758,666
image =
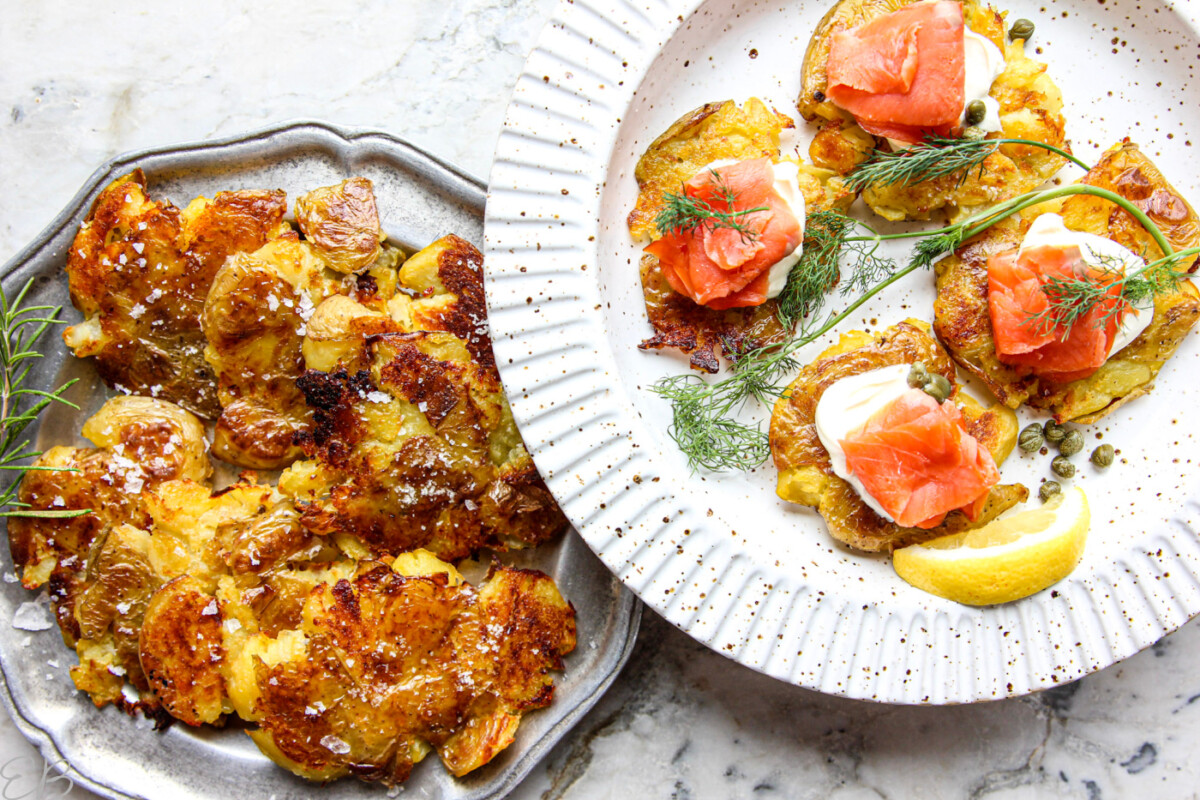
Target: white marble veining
x,y
83,82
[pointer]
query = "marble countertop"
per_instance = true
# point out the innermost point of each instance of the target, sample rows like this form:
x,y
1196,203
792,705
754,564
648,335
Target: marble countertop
x,y
84,82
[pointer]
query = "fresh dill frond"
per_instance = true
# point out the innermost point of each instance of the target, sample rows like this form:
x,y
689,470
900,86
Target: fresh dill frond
x,y
703,427
818,269
21,328
682,213
936,157
929,160
1072,299
933,247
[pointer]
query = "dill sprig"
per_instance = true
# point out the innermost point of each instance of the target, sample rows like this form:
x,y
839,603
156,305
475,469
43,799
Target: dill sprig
x,y
933,158
682,213
21,328
702,421
1073,299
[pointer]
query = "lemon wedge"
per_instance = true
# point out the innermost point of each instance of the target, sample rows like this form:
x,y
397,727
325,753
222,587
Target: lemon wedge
x,y
1005,560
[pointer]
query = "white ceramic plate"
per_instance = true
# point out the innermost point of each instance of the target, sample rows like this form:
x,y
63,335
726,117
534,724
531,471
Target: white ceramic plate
x,y
720,555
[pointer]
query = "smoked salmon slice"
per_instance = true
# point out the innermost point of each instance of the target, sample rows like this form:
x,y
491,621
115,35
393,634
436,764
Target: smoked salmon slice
x,y
721,267
902,75
916,458
1017,294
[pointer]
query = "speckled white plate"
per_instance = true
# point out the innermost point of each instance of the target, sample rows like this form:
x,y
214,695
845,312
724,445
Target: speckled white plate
x,y
420,199
720,555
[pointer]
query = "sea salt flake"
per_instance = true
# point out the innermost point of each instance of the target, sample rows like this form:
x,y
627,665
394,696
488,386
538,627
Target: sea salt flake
x,y
137,311
11,577
124,606
272,302
335,744
139,247
210,609
118,671
377,397
154,296
32,616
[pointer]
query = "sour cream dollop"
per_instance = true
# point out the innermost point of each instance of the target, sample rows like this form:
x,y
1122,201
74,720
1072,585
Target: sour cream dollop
x,y
1098,252
846,406
787,185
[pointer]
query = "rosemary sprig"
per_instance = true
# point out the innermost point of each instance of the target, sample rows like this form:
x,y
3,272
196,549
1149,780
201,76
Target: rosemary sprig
x,y
21,328
702,423
934,158
1072,299
682,213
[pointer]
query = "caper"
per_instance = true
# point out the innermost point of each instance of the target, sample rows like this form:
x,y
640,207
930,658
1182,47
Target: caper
x,y
1072,443
1062,467
1048,490
1021,29
1031,438
918,376
976,111
1103,456
938,387
1053,431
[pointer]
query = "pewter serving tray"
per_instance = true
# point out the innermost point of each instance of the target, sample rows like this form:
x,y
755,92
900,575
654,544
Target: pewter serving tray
x,y
420,199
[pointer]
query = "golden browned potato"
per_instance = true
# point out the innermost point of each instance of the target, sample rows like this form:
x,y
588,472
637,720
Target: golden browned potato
x,y
963,323
385,666
342,223
715,131
806,476
141,443
180,648
1030,108
414,446
139,271
254,319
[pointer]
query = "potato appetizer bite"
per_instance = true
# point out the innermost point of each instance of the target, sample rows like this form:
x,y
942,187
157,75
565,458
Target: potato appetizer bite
x,y
899,455
723,163
1100,362
140,270
887,73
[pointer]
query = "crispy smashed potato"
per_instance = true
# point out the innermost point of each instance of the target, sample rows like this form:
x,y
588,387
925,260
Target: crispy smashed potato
x,y
307,610
385,666
139,271
213,604
1030,108
414,446
715,131
806,476
97,565
963,323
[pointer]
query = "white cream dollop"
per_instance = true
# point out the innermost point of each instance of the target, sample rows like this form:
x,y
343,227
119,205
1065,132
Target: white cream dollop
x,y
787,185
1098,252
982,64
846,406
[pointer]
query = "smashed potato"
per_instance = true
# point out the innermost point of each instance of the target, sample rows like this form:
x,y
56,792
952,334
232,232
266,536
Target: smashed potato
x,y
1030,108
213,604
806,476
715,131
963,323
414,445
139,271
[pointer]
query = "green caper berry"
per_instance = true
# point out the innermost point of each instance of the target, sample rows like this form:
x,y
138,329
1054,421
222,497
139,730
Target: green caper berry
x,y
1021,29
1103,456
1053,431
918,376
1048,490
938,388
1072,443
1062,467
1031,438
976,111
